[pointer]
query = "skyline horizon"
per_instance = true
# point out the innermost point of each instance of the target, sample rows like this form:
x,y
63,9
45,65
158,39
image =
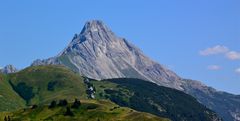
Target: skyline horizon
x,y
196,40
213,68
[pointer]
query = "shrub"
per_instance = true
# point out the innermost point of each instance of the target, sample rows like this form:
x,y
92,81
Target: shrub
x,y
53,104
76,104
51,85
62,102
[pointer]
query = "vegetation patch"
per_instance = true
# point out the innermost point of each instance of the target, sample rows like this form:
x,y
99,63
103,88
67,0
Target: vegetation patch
x,y
25,91
51,85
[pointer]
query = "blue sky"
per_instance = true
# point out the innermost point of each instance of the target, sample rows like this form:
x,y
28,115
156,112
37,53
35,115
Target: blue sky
x,y
197,39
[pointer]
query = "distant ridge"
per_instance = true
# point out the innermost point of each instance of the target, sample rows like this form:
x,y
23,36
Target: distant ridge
x,y
8,69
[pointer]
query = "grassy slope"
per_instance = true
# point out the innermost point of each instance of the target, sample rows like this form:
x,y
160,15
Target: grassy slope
x,y
9,100
137,94
148,97
46,83
102,111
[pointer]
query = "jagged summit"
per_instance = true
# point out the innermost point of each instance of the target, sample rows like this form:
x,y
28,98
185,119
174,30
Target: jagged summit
x,y
95,26
94,33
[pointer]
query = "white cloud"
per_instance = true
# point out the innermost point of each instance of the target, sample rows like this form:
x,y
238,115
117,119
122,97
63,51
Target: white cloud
x,y
214,67
223,50
237,71
233,55
218,49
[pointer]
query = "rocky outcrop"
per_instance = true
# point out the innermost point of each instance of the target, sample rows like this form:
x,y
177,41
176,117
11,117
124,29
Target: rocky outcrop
x,y
99,54
8,69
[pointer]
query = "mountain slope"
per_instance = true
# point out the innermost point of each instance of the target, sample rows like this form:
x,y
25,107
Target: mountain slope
x,y
90,110
35,85
9,99
98,53
225,104
42,84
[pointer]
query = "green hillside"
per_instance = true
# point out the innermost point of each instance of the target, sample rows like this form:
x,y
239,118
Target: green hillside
x,y
43,84
149,97
90,110
9,99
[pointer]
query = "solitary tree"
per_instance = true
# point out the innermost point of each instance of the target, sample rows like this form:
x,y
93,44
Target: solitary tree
x,y
76,104
68,112
53,104
9,119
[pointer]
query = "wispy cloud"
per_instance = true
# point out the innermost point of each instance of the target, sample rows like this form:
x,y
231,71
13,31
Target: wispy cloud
x,y
218,49
214,67
233,55
237,71
221,50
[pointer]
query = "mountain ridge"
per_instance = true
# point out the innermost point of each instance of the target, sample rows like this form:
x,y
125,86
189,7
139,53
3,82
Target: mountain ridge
x,y
99,54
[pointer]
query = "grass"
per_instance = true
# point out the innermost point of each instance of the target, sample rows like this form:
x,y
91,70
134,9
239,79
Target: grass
x,y
102,111
48,83
9,99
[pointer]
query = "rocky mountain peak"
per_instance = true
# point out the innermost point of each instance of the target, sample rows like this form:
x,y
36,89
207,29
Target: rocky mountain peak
x,y
94,37
99,54
8,69
95,26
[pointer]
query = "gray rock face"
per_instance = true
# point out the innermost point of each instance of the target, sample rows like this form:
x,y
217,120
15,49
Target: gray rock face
x,y
99,54
8,69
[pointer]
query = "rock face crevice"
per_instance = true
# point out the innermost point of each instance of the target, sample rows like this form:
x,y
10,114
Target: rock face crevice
x,y
96,52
